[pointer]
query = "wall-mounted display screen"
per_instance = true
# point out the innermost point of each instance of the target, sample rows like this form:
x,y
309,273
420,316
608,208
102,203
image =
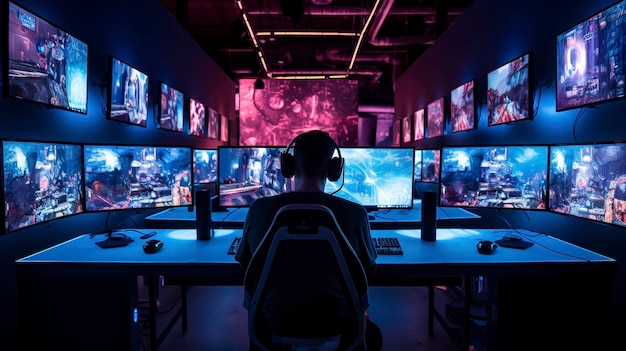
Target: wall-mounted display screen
x,y
407,130
494,176
376,178
45,64
435,118
213,124
224,131
589,181
463,107
42,181
128,94
197,118
418,124
431,163
123,176
248,173
204,166
509,94
590,60
276,114
172,108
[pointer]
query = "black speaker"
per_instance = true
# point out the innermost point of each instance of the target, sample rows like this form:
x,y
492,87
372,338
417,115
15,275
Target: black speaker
x,y
429,216
204,224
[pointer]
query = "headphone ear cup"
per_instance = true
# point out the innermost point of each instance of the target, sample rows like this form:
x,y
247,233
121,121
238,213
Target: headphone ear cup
x,y
335,167
287,164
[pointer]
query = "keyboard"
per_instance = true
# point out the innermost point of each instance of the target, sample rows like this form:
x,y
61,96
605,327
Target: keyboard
x,y
387,246
232,249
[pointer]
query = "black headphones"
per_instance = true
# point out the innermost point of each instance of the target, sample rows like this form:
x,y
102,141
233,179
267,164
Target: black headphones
x,y
288,162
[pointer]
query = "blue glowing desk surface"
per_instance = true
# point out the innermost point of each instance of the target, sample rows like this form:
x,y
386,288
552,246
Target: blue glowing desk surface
x,y
453,253
182,217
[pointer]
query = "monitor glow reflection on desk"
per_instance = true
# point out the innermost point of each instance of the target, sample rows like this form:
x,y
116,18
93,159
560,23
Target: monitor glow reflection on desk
x,y
190,234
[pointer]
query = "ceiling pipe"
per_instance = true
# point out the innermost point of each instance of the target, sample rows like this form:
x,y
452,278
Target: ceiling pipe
x,y
381,16
336,55
354,11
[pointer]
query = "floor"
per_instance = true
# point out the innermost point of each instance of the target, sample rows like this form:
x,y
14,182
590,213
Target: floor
x,y
217,320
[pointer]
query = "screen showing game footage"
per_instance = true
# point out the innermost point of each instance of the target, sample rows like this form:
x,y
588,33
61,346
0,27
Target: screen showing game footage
x,y
418,124
172,109
589,181
377,178
42,182
128,94
430,166
204,166
45,64
407,130
509,97
283,109
248,173
463,107
494,176
213,121
590,60
197,118
417,169
435,119
135,177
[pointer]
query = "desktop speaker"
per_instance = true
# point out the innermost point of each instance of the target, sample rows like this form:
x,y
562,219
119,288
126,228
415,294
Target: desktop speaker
x,y
429,216
204,224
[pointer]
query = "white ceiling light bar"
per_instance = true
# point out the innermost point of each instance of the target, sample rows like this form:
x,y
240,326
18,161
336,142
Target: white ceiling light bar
x,y
306,34
362,34
253,36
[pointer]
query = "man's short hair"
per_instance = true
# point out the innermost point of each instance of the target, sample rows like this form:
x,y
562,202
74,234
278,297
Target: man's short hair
x,y
313,151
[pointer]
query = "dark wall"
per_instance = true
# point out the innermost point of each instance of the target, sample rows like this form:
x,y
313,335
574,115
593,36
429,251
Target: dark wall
x,y
143,34
489,34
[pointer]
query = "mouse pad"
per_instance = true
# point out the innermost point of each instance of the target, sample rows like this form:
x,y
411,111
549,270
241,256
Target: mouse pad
x,y
516,244
105,244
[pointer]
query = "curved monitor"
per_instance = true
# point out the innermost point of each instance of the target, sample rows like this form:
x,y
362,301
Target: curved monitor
x,y
589,181
377,178
42,182
494,176
124,176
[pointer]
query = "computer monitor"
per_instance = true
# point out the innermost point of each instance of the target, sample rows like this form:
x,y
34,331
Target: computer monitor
x,y
589,181
494,176
204,166
42,182
246,173
128,94
377,178
44,63
127,176
417,162
509,91
431,163
172,108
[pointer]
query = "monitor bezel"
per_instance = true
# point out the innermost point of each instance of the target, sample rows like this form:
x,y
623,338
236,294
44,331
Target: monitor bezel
x,y
528,86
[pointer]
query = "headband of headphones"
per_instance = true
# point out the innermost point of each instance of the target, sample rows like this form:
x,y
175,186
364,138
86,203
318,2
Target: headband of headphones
x,y
288,161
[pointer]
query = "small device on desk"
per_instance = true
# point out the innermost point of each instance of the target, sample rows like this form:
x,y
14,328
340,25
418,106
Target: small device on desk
x,y
387,246
232,249
152,246
486,247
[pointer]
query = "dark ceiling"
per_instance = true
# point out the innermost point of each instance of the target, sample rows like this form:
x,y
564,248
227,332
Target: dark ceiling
x,y
397,34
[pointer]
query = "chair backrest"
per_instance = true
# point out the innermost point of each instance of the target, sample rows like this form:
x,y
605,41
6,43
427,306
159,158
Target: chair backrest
x,y
304,249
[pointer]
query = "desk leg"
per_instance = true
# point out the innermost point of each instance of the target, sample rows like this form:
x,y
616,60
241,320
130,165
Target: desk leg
x,y
184,289
467,327
152,308
431,307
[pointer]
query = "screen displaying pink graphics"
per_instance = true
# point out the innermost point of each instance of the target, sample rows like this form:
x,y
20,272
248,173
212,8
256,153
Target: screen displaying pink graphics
x,y
276,114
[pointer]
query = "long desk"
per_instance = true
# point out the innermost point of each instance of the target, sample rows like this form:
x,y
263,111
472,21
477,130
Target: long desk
x,y
234,217
76,294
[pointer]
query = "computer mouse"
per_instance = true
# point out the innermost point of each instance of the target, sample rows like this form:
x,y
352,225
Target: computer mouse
x,y
152,246
486,247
